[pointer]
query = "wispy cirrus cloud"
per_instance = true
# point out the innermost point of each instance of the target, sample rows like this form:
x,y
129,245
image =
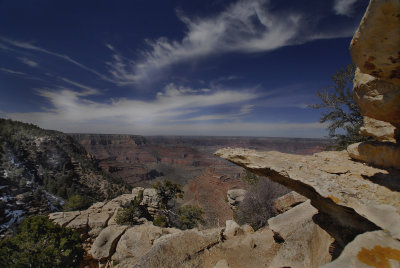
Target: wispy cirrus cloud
x,y
70,107
9,71
28,62
245,26
14,45
344,7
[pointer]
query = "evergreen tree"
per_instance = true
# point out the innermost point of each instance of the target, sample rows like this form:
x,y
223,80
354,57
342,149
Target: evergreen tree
x,y
340,111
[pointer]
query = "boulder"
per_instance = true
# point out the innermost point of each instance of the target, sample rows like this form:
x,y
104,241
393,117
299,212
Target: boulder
x,y
235,197
136,242
247,229
371,249
375,45
305,244
222,264
377,98
150,198
137,190
289,222
381,131
105,243
360,198
287,201
231,229
178,249
243,250
383,154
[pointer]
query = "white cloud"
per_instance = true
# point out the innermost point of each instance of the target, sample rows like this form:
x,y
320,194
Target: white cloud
x,y
70,107
72,111
28,62
245,26
11,71
88,90
29,46
343,7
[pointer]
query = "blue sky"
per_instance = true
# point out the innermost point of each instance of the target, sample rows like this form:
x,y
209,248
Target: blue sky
x,y
235,68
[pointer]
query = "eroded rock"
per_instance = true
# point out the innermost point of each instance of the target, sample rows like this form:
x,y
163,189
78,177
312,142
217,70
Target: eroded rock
x,y
381,131
335,184
136,242
105,243
235,197
383,154
288,201
375,45
231,229
177,249
377,98
63,218
305,243
371,249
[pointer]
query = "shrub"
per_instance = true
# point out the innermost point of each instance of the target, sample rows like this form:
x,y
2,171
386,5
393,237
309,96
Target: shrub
x,y
160,221
256,208
190,216
77,202
167,191
132,213
41,243
250,177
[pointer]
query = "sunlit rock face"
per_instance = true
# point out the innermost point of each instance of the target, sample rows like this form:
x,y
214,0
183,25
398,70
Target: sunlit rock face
x,y
380,130
375,45
375,50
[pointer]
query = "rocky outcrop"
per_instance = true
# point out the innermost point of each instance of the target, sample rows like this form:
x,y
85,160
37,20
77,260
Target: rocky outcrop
x,y
294,229
375,50
359,197
377,98
104,245
381,131
384,154
151,200
235,197
287,201
357,203
40,169
108,244
371,249
375,45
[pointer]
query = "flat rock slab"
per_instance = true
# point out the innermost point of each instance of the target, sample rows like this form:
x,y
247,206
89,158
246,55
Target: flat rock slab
x,y
358,196
305,243
104,245
63,218
371,249
99,220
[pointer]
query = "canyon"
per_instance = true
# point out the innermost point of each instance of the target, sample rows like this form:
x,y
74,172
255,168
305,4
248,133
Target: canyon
x,y
189,161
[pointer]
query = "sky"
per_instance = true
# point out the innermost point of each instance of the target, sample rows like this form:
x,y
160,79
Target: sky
x,y
198,67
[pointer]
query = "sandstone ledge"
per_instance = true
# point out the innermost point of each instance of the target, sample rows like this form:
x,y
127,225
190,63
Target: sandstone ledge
x,y
357,196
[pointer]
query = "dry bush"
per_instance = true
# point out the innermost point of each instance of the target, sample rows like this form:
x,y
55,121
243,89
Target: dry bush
x,y
256,207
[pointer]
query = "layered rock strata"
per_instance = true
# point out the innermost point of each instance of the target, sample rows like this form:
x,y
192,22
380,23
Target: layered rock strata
x,y
375,50
358,197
